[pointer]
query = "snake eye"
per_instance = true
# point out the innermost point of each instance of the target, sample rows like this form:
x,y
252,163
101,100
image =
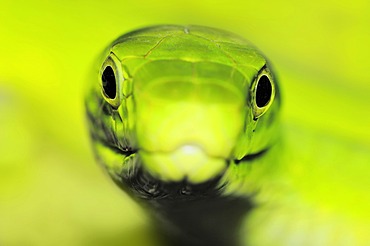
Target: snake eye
x,y
111,80
263,93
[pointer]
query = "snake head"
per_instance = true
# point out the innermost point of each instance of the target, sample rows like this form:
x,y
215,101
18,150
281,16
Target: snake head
x,y
180,105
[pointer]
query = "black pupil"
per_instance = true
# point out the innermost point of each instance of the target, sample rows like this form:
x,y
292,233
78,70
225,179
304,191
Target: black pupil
x,y
109,82
264,90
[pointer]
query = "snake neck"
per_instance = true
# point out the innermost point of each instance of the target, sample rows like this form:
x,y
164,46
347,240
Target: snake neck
x,y
192,215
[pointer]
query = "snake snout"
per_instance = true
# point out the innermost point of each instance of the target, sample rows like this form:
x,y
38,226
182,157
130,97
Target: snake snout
x,y
189,162
187,126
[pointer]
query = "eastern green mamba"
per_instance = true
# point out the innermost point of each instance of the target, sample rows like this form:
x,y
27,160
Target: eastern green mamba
x,y
186,120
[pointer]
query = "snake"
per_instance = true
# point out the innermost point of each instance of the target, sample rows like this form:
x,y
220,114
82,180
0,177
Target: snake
x,y
187,121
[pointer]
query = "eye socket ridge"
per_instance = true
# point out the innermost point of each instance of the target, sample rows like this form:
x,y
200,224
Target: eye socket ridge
x,y
262,92
111,80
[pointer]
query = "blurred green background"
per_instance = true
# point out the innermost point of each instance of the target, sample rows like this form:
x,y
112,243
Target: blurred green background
x,y
51,190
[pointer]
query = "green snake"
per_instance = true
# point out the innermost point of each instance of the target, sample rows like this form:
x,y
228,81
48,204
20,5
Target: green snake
x,y
186,120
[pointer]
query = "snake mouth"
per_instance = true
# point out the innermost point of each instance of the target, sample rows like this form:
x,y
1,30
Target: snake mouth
x,y
187,164
127,151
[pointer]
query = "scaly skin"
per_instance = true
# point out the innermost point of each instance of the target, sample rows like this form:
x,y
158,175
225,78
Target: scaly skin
x,y
181,126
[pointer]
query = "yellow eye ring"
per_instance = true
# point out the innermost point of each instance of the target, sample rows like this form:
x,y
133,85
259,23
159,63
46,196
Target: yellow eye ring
x,y
111,79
